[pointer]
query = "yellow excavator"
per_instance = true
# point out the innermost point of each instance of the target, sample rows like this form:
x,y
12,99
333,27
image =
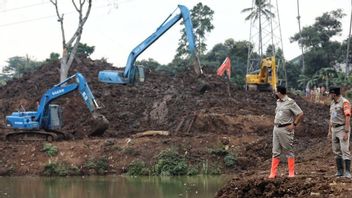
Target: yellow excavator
x,y
265,78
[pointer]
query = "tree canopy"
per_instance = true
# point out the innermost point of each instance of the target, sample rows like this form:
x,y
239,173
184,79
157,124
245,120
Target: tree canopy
x,y
322,53
202,17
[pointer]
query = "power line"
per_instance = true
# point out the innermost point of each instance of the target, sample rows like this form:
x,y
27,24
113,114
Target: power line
x,y
47,2
26,21
40,18
23,7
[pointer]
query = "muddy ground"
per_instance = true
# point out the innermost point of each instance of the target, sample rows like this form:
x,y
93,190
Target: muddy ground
x,y
220,118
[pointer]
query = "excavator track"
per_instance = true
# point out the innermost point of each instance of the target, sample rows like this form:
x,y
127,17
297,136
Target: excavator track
x,y
39,135
32,136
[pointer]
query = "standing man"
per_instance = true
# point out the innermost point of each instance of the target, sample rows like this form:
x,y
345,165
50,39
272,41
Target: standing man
x,y
287,116
339,130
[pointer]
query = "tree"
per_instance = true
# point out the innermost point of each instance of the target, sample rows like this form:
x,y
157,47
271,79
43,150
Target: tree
x,y
320,33
322,52
325,75
149,64
53,57
83,50
342,80
4,78
238,53
202,17
322,57
260,8
305,81
344,52
18,65
293,72
83,8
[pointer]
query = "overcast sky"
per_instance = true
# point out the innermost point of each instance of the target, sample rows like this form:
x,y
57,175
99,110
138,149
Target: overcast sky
x,y
31,27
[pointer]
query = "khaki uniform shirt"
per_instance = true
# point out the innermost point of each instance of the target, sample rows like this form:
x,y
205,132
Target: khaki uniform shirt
x,y
286,109
338,110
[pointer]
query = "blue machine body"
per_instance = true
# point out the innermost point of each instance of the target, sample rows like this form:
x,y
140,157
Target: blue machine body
x,y
113,77
40,119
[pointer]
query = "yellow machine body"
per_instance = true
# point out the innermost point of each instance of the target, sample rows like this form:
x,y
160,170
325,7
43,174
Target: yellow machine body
x,y
264,79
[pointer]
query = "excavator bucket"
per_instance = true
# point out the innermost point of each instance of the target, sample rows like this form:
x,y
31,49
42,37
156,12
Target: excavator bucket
x,y
140,75
114,77
111,76
99,125
196,65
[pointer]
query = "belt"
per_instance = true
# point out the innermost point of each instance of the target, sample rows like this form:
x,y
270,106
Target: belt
x,y
282,125
337,125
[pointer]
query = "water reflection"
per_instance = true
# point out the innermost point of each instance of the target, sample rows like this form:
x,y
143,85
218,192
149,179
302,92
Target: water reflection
x,y
111,186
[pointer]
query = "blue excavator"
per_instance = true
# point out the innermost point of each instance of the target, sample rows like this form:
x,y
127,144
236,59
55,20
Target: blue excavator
x,y
130,73
45,123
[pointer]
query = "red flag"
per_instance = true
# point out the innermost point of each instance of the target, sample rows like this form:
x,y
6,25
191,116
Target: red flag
x,y
225,66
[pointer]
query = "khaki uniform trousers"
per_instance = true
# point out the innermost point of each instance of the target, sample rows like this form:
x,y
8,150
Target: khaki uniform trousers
x,y
339,146
282,142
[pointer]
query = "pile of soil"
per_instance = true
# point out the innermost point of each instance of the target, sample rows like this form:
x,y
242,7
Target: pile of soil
x,y
163,102
222,116
303,186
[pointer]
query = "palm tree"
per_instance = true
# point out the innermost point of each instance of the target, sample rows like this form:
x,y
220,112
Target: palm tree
x,y
260,7
306,81
341,79
326,74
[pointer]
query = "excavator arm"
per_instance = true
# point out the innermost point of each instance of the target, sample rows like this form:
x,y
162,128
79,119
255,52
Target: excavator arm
x,y
130,70
34,121
59,90
264,79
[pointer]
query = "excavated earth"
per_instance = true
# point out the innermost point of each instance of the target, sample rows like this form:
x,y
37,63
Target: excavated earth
x,y
198,121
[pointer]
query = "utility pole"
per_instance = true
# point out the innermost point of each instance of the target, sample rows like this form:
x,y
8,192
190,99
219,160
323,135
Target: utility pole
x,y
348,44
300,37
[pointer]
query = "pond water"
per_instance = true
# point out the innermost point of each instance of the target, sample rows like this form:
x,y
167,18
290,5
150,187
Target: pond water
x,y
111,186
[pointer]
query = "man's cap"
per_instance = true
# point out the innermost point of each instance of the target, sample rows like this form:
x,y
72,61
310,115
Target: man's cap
x,y
281,89
335,90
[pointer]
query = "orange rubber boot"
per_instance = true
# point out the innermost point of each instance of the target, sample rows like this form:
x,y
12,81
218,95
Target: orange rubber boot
x,y
274,164
291,166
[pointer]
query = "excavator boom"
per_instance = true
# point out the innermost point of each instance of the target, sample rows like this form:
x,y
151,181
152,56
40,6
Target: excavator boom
x,y
129,74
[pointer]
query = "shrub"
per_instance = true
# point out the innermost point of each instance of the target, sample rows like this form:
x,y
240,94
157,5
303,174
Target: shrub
x,y
130,151
170,163
229,160
7,171
56,169
137,167
192,171
219,152
100,166
50,149
210,169
214,170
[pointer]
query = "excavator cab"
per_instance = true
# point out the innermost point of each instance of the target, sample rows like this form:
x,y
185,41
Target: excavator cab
x,y
265,78
116,77
52,118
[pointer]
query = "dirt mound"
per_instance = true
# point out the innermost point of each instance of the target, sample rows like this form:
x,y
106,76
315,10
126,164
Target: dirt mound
x,y
287,187
198,120
163,102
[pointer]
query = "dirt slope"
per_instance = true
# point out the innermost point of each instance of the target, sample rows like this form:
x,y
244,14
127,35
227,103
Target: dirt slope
x,y
241,123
